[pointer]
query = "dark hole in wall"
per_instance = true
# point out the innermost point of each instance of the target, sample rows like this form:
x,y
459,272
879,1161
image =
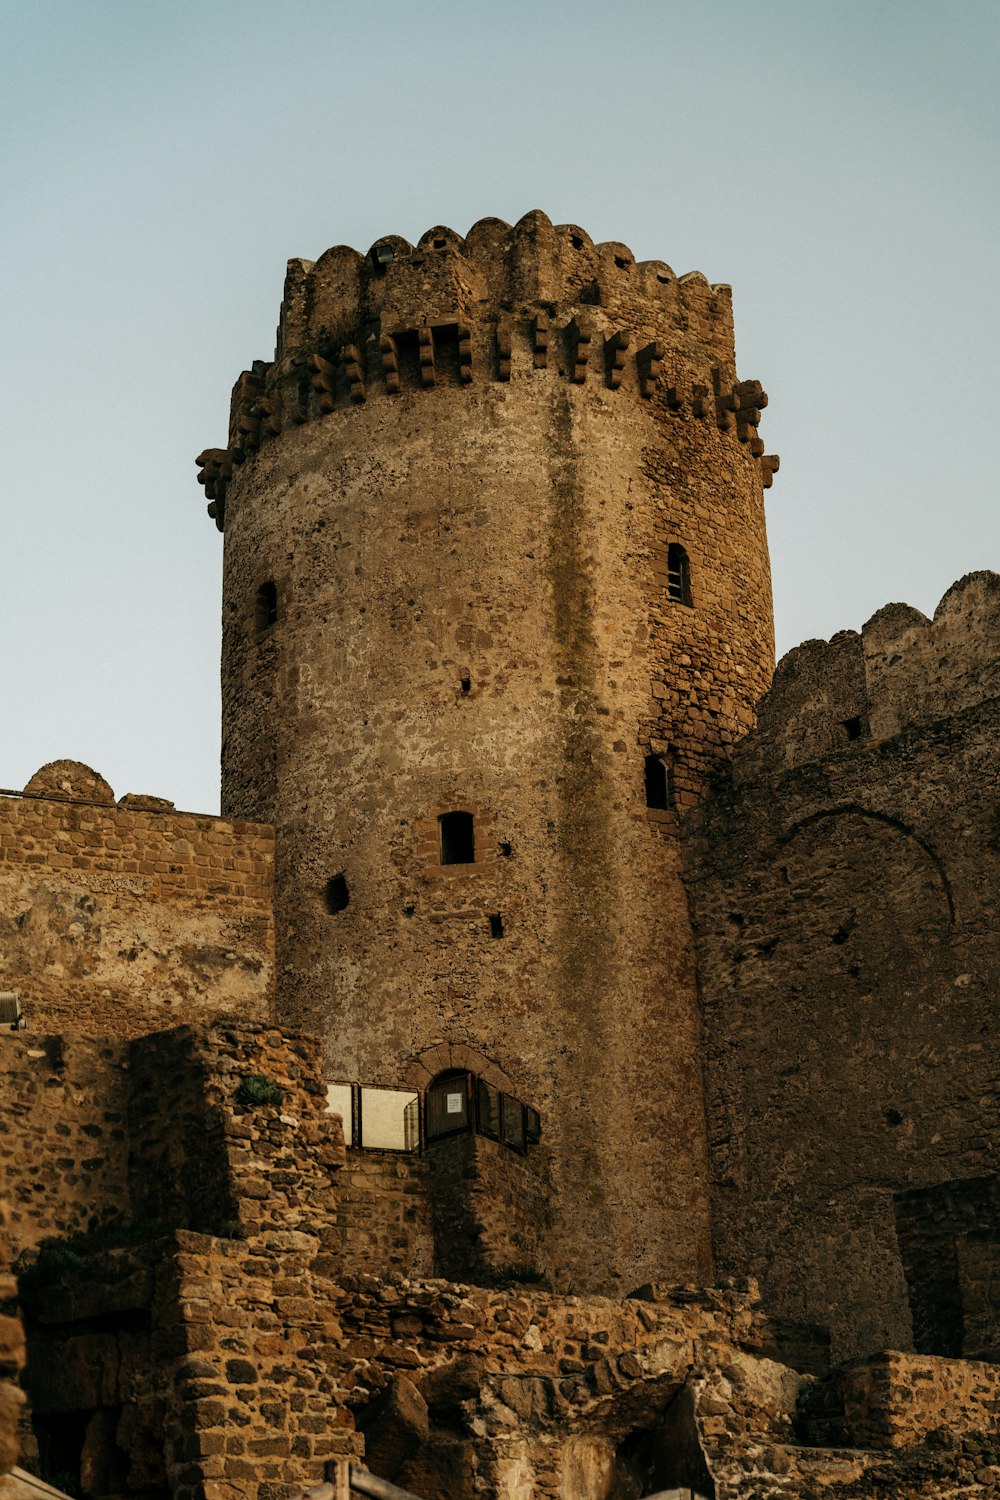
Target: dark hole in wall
x,y
60,1447
466,684
949,1241
266,606
382,256
458,838
666,1457
408,358
336,894
505,849
852,728
446,361
496,925
659,782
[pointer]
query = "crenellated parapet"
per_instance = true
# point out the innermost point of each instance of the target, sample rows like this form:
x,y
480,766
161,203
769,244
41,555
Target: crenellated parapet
x,y
864,687
501,304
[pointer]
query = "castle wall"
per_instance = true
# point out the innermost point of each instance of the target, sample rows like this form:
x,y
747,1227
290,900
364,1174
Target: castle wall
x,y
116,920
473,614
11,1355
145,1136
844,894
384,1214
64,1142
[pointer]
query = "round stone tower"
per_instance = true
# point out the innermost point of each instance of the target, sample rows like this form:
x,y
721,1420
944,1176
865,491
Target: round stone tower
x,y
496,599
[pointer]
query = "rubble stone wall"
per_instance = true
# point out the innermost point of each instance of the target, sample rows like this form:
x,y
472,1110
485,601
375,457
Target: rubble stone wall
x,y
64,1141
155,1134
121,919
383,1215
490,1209
844,887
11,1354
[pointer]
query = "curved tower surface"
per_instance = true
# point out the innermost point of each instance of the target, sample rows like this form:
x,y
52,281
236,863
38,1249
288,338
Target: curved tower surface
x,y
495,546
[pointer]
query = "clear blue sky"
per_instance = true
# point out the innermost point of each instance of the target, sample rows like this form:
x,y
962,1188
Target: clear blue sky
x,y
161,160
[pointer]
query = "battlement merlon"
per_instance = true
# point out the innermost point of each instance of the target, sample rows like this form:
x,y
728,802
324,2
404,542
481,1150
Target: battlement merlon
x,y
900,670
494,269
533,297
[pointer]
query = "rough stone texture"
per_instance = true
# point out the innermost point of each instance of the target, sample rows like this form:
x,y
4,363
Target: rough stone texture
x,y
473,614
844,894
64,1141
11,1354
244,1367
384,1214
152,1134
490,1209
116,921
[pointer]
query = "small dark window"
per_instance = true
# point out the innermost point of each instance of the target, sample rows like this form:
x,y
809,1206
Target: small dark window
x,y
266,606
506,849
382,256
447,1105
852,728
458,839
440,244
466,684
659,782
678,574
496,925
337,895
622,263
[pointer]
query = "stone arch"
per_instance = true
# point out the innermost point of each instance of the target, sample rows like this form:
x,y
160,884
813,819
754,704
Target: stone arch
x,y
444,1056
884,820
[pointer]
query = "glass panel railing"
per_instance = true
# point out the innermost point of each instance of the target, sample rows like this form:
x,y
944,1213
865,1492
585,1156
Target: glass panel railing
x,y
338,1102
388,1118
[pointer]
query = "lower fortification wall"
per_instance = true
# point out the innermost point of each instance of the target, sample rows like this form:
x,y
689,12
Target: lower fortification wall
x,y
64,1141
844,898
11,1356
126,1140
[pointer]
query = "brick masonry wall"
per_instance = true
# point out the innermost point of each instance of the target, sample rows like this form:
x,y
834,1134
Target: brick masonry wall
x,y
507,532
844,895
117,920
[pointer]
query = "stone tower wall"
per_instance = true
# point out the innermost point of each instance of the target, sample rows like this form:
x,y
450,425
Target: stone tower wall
x,y
844,896
462,477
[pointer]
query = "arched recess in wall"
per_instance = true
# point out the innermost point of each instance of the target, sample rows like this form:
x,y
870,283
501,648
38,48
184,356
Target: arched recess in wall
x,y
445,1057
832,818
855,898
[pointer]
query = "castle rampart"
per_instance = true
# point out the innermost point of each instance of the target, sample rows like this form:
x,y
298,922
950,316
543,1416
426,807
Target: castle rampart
x,y
118,919
844,894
